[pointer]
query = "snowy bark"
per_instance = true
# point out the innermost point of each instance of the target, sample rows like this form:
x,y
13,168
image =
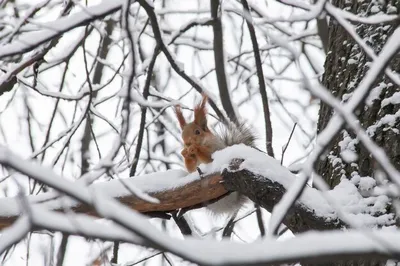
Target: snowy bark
x,y
346,65
267,193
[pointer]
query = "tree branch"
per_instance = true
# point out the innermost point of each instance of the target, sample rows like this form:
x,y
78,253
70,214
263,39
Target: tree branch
x,y
192,195
177,190
257,176
260,75
29,41
267,193
181,72
219,60
144,111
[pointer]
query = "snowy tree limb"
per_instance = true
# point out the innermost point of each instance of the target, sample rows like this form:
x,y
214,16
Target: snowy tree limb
x,y
192,195
53,29
267,193
256,175
173,190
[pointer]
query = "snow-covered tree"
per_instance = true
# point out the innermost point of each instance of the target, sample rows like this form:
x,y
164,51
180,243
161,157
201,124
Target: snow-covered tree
x,y
91,170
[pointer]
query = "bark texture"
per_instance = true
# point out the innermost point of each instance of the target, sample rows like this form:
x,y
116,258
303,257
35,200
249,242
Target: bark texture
x,y
267,193
346,65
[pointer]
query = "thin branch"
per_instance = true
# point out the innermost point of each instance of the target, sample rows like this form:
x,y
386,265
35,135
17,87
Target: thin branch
x,y
144,111
62,250
260,75
87,137
157,35
287,143
182,224
115,252
58,27
219,60
228,230
260,220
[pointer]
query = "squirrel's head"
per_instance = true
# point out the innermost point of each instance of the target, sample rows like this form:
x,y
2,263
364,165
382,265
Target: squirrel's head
x,y
196,131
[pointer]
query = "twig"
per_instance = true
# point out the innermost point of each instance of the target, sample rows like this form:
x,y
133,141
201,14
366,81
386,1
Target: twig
x,y
115,252
144,111
260,221
62,249
200,172
157,35
182,224
87,136
287,143
228,230
260,75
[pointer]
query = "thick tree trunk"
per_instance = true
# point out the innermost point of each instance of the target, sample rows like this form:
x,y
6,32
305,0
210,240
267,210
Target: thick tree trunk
x,y
346,65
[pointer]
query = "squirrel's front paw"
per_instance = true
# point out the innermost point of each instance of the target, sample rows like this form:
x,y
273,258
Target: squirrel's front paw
x,y
184,153
192,150
188,153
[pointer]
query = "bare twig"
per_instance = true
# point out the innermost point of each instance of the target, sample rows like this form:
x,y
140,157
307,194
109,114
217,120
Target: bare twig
x,y
287,143
102,53
260,220
260,75
62,249
228,230
182,224
144,110
157,35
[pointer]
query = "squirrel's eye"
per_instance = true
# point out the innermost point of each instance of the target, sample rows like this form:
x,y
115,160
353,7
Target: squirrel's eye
x,y
197,132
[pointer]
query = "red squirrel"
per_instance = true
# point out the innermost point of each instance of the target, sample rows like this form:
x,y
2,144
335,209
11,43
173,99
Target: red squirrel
x,y
200,143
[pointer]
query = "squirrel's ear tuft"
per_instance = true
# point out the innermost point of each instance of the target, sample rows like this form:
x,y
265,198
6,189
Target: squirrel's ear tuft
x,y
179,115
200,113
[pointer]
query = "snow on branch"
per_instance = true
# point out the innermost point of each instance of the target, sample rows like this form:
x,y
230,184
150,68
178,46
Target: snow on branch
x,y
313,246
158,192
29,41
243,169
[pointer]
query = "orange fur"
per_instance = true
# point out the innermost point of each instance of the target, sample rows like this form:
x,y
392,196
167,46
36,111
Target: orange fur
x,y
195,136
179,115
200,143
200,112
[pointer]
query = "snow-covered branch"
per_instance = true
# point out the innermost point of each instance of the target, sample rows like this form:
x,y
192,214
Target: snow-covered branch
x,y
242,168
29,41
253,170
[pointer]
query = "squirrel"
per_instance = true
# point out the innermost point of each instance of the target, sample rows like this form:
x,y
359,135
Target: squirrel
x,y
200,143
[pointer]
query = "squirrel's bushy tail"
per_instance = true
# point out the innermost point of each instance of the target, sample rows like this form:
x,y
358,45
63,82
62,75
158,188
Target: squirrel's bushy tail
x,y
233,134
229,135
